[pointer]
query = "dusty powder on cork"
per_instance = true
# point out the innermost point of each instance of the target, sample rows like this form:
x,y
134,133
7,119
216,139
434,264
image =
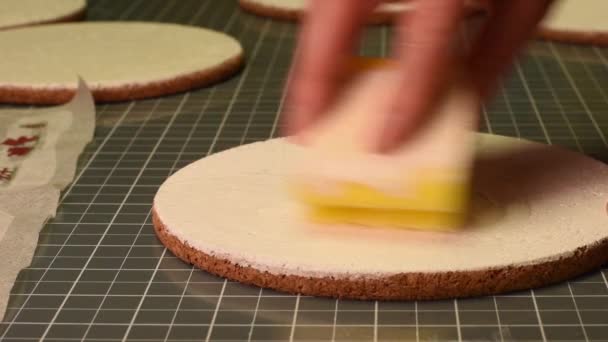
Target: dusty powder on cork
x,y
232,205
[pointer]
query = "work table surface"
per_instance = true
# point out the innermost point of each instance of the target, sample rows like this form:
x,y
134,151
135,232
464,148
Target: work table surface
x,y
100,274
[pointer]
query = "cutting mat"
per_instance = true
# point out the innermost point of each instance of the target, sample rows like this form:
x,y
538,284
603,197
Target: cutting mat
x,y
99,274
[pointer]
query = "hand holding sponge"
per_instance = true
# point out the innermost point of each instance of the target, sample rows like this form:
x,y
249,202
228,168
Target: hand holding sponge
x,y
424,184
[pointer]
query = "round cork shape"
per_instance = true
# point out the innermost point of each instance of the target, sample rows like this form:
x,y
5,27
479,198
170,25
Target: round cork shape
x,y
294,9
118,60
576,21
17,13
539,217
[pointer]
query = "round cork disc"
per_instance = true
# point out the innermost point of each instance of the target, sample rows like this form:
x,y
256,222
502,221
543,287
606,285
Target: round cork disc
x,y
576,21
118,60
293,9
539,217
17,13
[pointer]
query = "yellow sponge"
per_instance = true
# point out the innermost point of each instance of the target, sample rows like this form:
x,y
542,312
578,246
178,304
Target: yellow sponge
x,y
422,185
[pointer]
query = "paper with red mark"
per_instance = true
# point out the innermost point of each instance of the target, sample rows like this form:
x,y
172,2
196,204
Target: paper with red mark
x,y
39,150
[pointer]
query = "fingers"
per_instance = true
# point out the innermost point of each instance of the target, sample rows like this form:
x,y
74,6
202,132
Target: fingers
x,y
328,37
426,51
506,32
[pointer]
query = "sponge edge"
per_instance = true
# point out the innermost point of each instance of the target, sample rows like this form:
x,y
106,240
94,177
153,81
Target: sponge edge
x,y
436,205
407,219
422,185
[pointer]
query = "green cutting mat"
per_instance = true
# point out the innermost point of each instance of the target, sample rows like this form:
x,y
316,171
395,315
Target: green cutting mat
x,y
99,273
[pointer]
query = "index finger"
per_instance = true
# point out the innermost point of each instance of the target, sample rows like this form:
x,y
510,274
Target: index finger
x,y
327,39
426,51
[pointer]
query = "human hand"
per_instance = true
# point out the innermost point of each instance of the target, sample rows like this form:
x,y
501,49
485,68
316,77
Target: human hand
x,y
424,51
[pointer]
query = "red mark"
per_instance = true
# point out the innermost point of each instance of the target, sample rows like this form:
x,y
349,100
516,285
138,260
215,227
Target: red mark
x,y
6,174
18,151
19,141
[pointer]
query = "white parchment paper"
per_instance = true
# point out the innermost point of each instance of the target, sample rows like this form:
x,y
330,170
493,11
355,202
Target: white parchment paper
x,y
39,149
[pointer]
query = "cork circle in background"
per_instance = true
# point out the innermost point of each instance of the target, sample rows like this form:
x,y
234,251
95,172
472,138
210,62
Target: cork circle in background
x,y
118,60
18,13
575,21
238,223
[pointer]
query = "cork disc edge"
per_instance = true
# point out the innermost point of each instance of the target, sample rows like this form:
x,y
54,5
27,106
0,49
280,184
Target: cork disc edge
x,y
403,286
574,37
270,11
52,95
377,18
